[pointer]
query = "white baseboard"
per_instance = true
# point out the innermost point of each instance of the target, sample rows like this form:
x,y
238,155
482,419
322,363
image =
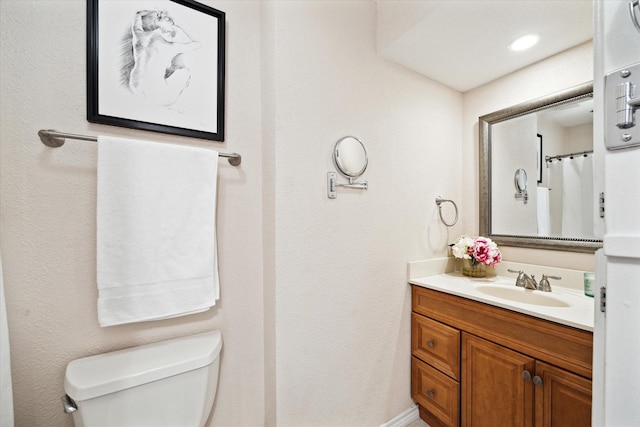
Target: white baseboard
x,y
404,419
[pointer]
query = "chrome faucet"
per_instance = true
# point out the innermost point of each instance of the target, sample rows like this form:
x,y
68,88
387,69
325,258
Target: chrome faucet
x,y
529,282
523,280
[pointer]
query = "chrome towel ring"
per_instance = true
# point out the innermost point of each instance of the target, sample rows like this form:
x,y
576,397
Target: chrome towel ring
x,y
439,202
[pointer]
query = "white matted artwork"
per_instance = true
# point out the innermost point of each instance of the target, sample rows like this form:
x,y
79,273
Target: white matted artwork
x,y
156,65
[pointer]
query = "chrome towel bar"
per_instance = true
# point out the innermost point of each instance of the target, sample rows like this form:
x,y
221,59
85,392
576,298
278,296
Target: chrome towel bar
x,y
54,139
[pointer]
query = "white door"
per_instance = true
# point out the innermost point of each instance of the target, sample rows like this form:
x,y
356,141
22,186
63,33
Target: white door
x,y
617,332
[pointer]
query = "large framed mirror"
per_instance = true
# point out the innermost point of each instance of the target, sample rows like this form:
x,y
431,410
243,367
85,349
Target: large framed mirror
x,y
551,140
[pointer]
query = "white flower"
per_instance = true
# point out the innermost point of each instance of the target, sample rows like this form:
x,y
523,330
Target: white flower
x,y
478,249
460,248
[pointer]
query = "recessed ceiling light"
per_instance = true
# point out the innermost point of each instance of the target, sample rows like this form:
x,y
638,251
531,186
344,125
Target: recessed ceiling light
x,y
524,42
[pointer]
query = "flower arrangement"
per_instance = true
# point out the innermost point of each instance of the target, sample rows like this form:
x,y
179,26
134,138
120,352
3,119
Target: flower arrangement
x,y
480,250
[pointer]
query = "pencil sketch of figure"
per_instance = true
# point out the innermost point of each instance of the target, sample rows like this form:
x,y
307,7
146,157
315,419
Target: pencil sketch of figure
x,y
153,66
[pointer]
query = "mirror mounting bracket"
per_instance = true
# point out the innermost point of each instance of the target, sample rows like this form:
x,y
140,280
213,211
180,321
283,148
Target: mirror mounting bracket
x,y
523,195
332,185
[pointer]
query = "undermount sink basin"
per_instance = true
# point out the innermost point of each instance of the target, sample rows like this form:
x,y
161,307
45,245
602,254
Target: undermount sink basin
x,y
522,295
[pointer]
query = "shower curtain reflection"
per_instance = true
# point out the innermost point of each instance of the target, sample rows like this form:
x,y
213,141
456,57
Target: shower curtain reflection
x,y
571,196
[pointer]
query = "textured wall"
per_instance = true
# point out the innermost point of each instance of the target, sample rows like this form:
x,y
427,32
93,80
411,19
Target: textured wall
x,y
342,303
47,228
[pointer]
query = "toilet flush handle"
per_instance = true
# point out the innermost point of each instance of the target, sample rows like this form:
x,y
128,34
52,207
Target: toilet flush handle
x,y
68,404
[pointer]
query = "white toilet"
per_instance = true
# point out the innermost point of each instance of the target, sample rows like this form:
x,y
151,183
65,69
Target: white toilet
x,y
166,384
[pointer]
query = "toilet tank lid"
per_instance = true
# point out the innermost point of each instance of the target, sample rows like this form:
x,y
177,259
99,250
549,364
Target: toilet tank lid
x,y
106,373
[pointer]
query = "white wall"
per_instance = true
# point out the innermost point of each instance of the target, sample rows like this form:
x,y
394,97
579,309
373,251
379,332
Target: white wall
x,y
47,227
511,215
554,141
566,69
342,325
580,138
315,307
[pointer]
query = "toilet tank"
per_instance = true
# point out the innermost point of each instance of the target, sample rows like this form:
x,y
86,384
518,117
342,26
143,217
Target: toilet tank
x,y
166,384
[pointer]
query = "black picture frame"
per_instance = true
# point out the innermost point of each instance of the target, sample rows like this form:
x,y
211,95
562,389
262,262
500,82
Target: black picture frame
x,y
540,158
180,90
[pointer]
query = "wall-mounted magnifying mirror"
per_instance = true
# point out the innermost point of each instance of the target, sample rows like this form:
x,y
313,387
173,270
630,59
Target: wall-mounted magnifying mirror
x,y
520,178
520,181
350,158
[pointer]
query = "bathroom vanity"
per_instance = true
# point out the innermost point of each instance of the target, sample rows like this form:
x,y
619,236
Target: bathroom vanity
x,y
486,353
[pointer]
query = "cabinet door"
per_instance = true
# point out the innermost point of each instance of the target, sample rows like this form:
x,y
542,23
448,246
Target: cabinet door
x,y
562,398
494,391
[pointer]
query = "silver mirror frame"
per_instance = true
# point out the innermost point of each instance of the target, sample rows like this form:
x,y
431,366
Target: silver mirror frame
x,y
484,126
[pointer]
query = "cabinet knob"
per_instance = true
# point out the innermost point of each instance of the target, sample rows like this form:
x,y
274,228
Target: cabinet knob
x,y
526,375
431,393
537,380
431,343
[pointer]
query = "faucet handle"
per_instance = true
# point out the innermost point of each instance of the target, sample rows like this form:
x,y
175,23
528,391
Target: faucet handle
x,y
544,284
520,278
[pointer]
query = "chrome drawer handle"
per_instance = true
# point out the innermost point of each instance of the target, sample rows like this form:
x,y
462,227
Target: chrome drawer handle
x,y
431,344
431,393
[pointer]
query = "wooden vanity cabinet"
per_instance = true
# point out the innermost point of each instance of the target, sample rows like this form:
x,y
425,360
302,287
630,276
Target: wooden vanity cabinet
x,y
510,369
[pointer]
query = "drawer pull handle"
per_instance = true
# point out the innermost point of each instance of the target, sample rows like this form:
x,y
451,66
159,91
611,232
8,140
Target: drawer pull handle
x,y
537,380
526,375
431,344
431,393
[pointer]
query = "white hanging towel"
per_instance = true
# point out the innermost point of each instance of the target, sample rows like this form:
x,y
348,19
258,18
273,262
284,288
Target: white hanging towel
x,y
156,240
544,219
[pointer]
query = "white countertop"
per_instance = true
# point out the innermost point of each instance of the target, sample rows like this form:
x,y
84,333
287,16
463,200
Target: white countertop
x,y
565,306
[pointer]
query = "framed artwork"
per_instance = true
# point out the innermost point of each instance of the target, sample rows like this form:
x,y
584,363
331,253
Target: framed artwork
x,y
156,66
539,160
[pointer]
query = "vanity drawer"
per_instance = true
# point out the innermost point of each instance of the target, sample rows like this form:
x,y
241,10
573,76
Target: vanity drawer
x,y
436,344
438,394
